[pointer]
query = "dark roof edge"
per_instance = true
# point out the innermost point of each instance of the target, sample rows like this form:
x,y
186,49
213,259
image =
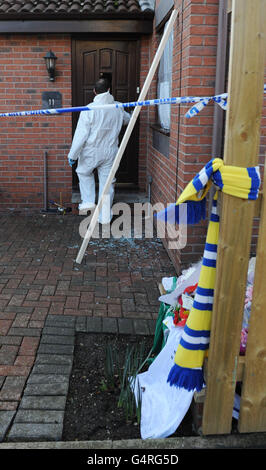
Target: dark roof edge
x,y
147,14
92,25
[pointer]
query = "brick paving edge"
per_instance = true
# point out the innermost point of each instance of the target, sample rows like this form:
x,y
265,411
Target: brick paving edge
x,y
40,414
231,441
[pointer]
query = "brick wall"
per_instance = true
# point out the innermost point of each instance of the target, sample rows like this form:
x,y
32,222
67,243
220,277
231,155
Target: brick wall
x,y
23,140
144,115
198,69
194,68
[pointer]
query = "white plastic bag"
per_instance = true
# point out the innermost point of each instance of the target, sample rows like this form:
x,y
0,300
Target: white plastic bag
x,y
162,407
189,277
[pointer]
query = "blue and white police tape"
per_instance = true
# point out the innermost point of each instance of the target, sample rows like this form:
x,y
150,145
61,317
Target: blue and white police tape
x,y
200,103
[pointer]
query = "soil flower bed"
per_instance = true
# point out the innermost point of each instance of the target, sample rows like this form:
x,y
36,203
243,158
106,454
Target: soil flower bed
x,y
92,411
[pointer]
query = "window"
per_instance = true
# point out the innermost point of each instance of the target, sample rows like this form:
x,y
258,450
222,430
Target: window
x,y
164,84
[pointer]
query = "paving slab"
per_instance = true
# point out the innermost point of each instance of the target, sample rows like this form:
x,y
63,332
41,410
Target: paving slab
x,y
56,348
109,325
35,432
46,389
94,325
6,418
53,359
58,331
58,339
39,416
52,368
43,403
125,326
47,379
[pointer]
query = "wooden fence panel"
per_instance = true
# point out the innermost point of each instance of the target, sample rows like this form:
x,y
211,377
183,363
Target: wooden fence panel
x,y
242,134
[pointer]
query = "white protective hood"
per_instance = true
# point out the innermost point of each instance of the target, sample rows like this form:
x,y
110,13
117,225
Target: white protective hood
x,y
97,131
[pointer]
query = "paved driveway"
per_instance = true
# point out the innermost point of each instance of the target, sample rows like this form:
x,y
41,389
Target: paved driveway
x,y
45,297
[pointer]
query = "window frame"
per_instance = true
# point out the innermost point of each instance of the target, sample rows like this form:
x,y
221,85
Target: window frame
x,y
160,135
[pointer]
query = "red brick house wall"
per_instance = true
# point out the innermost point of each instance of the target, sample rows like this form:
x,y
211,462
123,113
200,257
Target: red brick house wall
x,y
23,140
194,69
190,146
144,127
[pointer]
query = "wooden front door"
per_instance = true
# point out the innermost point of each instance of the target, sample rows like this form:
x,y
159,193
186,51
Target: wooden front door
x,y
118,60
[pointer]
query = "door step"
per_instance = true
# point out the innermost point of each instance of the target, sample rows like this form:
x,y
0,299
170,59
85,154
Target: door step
x,y
127,197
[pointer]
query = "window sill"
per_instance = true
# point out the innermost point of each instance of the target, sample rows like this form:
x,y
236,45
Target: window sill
x,y
160,139
157,128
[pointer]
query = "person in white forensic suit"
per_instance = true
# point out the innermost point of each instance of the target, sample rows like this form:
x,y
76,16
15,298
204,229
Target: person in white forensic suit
x,y
95,145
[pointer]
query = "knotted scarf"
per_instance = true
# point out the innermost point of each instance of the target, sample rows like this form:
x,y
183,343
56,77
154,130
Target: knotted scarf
x,y
192,349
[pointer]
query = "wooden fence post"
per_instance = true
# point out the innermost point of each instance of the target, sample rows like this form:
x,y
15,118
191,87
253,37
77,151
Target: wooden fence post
x,y
252,417
242,134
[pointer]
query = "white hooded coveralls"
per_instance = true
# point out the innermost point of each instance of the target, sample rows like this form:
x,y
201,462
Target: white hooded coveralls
x,y
95,144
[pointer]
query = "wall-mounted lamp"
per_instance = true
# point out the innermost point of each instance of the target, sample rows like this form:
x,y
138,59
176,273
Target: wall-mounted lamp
x,y
50,59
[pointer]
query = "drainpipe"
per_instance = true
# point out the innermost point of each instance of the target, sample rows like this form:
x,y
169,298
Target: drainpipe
x,y
45,186
45,178
149,179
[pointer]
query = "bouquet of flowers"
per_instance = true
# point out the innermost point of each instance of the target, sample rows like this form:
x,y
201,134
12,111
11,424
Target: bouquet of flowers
x,y
184,305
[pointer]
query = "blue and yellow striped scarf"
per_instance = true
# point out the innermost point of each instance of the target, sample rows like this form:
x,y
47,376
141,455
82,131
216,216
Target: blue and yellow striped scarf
x,y
192,349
